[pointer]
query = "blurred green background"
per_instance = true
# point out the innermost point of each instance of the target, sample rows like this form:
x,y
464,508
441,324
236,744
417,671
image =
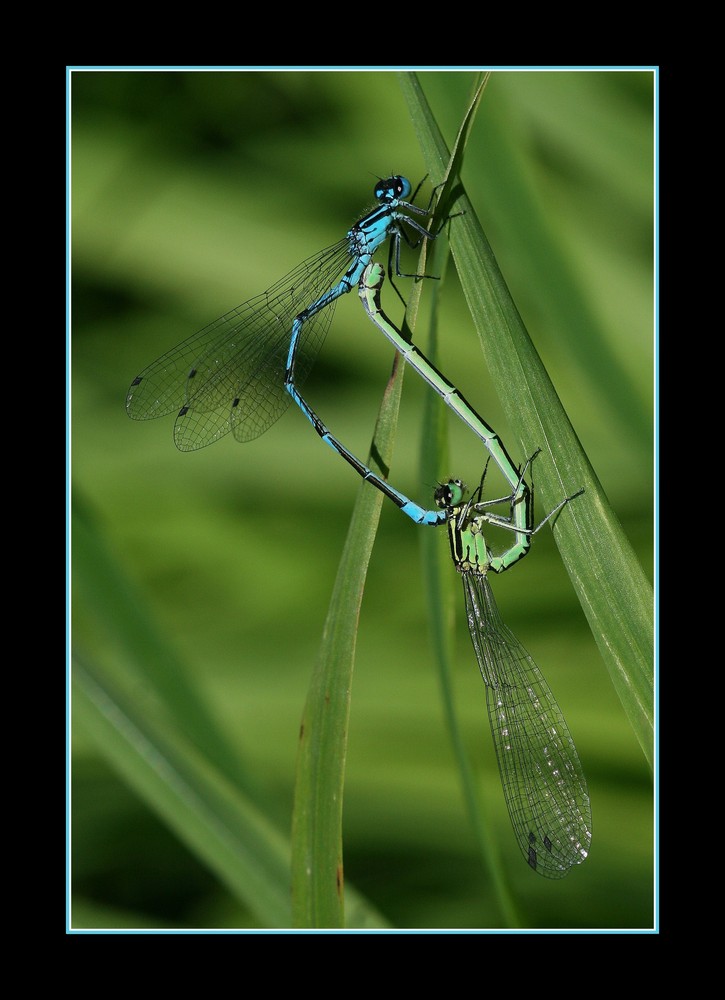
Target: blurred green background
x,y
192,191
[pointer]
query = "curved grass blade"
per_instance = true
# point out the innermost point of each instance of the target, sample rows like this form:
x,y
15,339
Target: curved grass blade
x,y
317,854
441,603
612,587
225,829
168,746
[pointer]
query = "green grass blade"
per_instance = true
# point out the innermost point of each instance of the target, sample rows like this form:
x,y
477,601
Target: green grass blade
x,y
106,603
612,587
317,862
317,853
442,592
139,704
206,812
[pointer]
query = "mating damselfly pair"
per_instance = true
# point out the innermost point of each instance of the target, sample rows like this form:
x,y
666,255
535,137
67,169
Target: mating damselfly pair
x,y
240,373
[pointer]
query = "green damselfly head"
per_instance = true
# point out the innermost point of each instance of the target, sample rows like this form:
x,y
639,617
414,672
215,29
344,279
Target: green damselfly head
x,y
450,494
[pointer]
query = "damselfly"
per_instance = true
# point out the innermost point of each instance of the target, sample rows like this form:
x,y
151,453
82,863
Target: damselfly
x,y
240,372
542,777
